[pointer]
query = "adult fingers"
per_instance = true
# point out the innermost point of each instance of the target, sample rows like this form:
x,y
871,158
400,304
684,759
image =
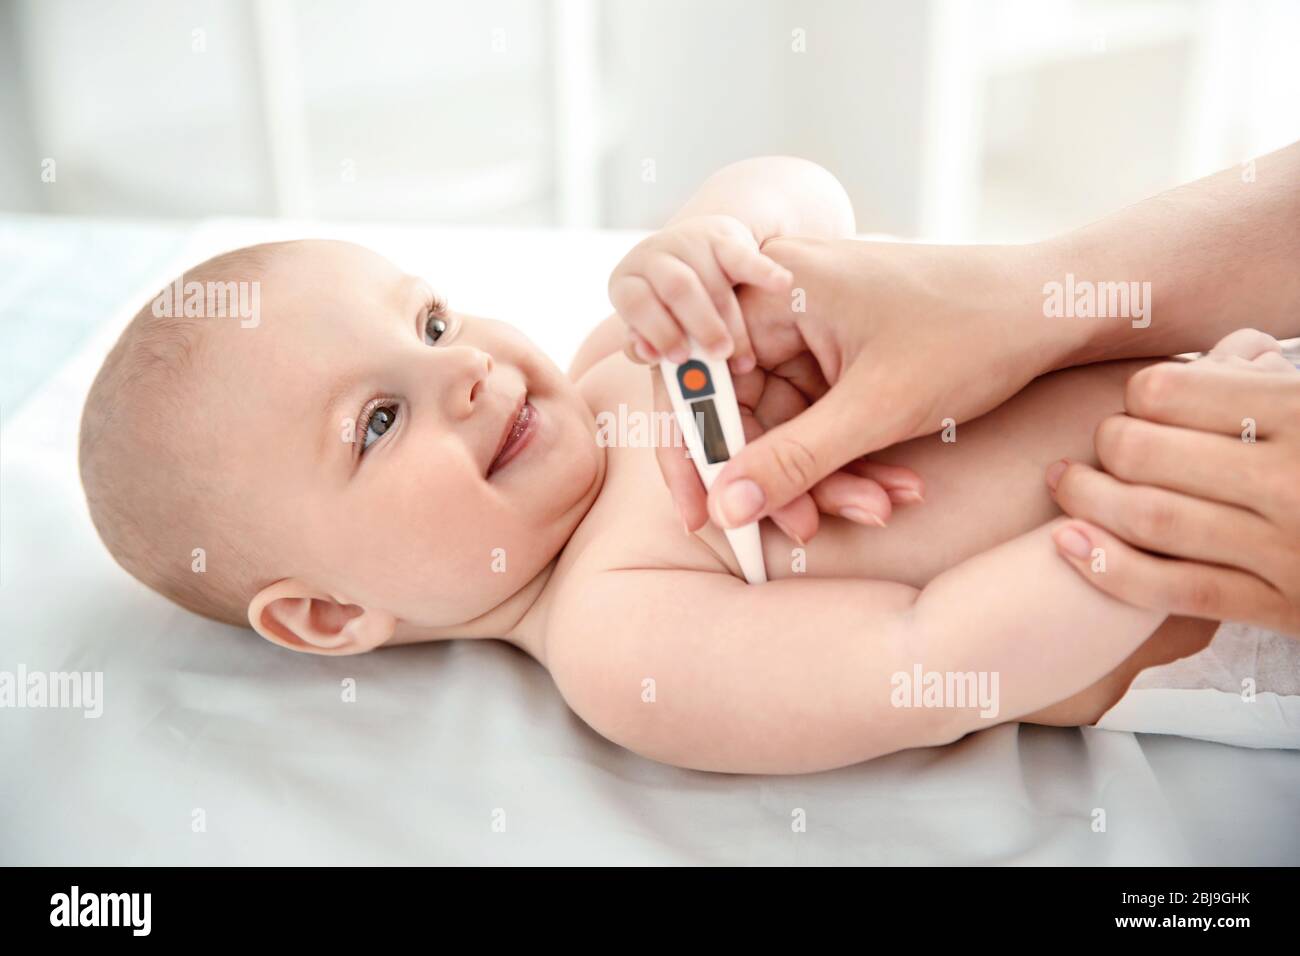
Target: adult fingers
x,y
1170,523
788,460
799,519
675,465
746,264
903,485
1171,585
851,496
1181,459
1215,397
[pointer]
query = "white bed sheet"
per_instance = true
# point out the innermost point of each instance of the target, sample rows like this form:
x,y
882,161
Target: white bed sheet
x,y
443,741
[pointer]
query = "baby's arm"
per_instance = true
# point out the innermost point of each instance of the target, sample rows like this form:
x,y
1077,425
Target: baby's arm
x,y
794,676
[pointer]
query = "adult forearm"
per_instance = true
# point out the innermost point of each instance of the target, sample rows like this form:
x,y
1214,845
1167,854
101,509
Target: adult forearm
x,y
1220,253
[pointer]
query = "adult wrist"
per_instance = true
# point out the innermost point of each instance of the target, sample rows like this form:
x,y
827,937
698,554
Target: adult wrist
x,y
1071,296
1011,296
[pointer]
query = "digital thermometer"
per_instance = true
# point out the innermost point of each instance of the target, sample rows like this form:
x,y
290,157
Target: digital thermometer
x,y
704,401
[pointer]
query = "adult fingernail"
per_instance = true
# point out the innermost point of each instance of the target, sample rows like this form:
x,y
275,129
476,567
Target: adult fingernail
x,y
905,496
1054,472
862,516
679,354
788,532
641,352
741,502
1073,542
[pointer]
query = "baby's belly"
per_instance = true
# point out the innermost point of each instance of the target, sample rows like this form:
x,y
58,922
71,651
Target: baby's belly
x,y
982,489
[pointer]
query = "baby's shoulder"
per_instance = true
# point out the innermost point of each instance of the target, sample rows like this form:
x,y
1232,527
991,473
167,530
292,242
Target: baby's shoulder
x,y
613,381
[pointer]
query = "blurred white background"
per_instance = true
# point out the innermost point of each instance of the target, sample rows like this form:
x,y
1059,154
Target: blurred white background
x,y
955,119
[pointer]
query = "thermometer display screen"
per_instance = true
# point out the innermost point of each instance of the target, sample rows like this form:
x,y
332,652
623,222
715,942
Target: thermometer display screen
x,y
710,429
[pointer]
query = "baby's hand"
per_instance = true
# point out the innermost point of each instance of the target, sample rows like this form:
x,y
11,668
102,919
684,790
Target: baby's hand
x,y
681,282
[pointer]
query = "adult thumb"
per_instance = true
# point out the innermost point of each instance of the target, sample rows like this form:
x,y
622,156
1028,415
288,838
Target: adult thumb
x,y
787,461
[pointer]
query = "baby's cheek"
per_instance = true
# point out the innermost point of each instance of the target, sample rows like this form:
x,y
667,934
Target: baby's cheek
x,y
443,564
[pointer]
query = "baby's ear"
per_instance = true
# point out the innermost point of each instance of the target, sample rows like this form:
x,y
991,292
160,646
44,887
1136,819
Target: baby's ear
x,y
296,615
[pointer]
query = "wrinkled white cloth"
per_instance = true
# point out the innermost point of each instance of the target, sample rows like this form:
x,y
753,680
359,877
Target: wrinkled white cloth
x,y
1243,688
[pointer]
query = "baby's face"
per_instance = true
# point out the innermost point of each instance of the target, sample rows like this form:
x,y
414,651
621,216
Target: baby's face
x,y
421,462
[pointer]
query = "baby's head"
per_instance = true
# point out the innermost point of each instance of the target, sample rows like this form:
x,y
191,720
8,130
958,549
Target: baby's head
x,y
349,469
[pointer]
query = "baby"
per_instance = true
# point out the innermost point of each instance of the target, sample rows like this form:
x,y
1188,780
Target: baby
x,y
367,466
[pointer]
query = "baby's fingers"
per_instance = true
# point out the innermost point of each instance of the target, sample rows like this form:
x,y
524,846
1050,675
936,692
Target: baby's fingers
x,y
675,465
638,350
715,279
742,352
635,301
681,289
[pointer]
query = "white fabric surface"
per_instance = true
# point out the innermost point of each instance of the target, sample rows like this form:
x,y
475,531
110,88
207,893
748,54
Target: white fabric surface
x,y
443,739
1242,689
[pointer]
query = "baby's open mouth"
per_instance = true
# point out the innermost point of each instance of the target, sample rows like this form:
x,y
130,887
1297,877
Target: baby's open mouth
x,y
516,436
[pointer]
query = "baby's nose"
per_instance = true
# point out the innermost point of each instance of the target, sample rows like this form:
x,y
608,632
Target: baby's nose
x,y
472,366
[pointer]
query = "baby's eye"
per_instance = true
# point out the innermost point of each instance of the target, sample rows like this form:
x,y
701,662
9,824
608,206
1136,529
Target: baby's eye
x,y
434,327
380,420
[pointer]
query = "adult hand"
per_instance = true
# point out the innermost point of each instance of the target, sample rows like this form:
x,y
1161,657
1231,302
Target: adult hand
x,y
904,337
874,344
1197,511
861,490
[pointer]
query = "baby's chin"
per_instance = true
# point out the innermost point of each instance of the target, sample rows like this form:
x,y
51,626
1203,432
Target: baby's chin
x,y
559,476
